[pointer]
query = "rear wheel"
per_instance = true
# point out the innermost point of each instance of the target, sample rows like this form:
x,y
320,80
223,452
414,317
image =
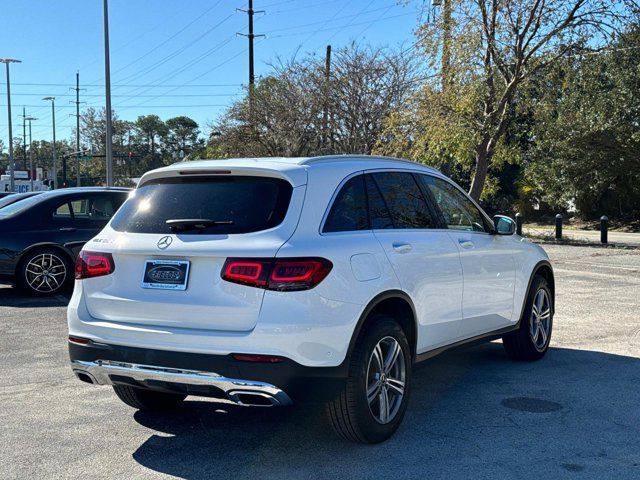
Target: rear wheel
x,y
531,340
373,402
144,399
44,272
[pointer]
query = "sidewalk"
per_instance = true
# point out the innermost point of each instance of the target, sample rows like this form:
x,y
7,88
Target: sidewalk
x,y
590,236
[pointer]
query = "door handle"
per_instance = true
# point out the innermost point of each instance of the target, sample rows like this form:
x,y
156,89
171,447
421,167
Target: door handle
x,y
466,244
68,229
402,247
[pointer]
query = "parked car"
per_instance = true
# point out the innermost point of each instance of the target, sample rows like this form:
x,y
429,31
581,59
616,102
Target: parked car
x,y
40,236
15,197
269,281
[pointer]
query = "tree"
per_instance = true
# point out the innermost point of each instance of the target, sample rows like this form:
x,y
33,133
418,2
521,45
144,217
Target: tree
x,y
493,48
291,106
182,136
586,146
152,128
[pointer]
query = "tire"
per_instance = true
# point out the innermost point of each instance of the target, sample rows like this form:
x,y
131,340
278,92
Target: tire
x,y
44,271
531,341
350,413
144,399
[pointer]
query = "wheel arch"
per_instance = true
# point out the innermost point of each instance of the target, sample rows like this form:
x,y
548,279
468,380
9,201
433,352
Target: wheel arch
x,y
545,269
43,246
395,303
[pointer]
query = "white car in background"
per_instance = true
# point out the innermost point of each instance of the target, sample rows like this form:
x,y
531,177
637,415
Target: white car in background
x,y
271,280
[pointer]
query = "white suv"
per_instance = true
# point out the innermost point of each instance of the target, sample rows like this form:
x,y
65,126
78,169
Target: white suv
x,y
264,281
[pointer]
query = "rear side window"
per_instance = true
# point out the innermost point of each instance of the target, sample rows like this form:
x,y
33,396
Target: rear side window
x,y
404,200
349,209
378,211
243,204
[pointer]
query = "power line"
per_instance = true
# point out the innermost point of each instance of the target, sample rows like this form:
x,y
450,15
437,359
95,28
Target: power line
x,y
126,85
161,44
162,61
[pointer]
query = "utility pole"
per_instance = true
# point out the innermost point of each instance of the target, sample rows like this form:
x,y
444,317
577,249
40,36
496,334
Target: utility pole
x,y
12,162
64,169
446,45
30,119
250,12
107,77
325,113
55,160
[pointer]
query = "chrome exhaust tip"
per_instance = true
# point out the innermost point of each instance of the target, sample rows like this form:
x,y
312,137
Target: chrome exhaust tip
x,y
253,399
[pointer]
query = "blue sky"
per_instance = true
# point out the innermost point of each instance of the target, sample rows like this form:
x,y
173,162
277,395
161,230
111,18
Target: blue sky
x,y
170,57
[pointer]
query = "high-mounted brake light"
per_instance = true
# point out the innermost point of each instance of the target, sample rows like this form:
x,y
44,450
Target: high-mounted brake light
x,y
93,264
282,274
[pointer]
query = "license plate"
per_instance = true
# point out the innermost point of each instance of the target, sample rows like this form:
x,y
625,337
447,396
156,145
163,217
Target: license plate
x,y
165,274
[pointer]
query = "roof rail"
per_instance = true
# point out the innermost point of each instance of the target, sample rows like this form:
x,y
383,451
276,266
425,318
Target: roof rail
x,y
361,157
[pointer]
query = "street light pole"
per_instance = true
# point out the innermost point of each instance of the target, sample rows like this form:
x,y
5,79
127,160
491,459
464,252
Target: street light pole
x,y
12,162
55,160
30,119
107,77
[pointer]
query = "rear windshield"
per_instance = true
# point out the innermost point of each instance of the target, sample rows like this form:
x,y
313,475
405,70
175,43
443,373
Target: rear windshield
x,y
242,204
20,206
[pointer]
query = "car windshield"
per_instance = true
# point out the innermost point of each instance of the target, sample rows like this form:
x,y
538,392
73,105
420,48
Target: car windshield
x,y
211,205
20,206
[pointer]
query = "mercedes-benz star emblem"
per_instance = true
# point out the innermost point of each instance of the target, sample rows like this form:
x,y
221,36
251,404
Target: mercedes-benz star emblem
x,y
164,242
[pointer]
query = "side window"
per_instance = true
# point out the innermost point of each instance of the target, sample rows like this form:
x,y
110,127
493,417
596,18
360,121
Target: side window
x,y
63,211
349,209
102,207
378,211
94,208
80,208
404,200
458,211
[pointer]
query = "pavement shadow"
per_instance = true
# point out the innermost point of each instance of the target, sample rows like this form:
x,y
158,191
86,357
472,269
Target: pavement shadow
x,y
473,414
14,297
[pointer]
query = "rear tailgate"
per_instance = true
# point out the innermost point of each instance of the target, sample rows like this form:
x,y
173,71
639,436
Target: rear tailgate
x,y
140,241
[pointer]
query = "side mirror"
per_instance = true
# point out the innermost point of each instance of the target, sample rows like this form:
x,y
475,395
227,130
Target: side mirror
x,y
504,225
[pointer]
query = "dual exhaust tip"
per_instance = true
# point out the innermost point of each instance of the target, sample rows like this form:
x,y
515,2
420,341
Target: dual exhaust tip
x,y
239,397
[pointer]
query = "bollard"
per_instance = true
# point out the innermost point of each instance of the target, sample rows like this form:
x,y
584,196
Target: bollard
x,y
604,229
519,219
559,226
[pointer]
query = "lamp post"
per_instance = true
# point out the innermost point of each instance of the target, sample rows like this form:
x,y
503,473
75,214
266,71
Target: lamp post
x,y
12,162
55,161
30,119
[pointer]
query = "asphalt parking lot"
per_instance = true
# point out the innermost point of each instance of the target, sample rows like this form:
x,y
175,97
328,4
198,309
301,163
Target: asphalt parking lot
x,y
473,413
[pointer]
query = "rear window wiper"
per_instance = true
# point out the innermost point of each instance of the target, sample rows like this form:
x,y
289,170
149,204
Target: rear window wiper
x,y
185,224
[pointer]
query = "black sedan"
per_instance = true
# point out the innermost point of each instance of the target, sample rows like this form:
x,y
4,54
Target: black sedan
x,y
41,236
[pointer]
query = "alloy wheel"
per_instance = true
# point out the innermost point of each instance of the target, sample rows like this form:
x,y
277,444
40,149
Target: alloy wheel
x,y
540,320
45,273
386,378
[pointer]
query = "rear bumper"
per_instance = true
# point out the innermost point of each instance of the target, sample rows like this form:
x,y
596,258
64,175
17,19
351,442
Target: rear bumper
x,y
219,376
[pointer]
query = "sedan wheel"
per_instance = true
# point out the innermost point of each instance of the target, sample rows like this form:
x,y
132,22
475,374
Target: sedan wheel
x,y
44,273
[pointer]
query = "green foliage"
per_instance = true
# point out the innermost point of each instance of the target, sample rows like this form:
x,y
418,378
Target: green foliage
x,y
585,148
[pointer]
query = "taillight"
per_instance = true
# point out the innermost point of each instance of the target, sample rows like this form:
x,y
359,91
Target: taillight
x,y
283,274
93,264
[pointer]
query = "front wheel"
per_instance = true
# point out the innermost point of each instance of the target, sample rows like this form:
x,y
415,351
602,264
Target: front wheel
x,y
144,399
531,340
373,402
